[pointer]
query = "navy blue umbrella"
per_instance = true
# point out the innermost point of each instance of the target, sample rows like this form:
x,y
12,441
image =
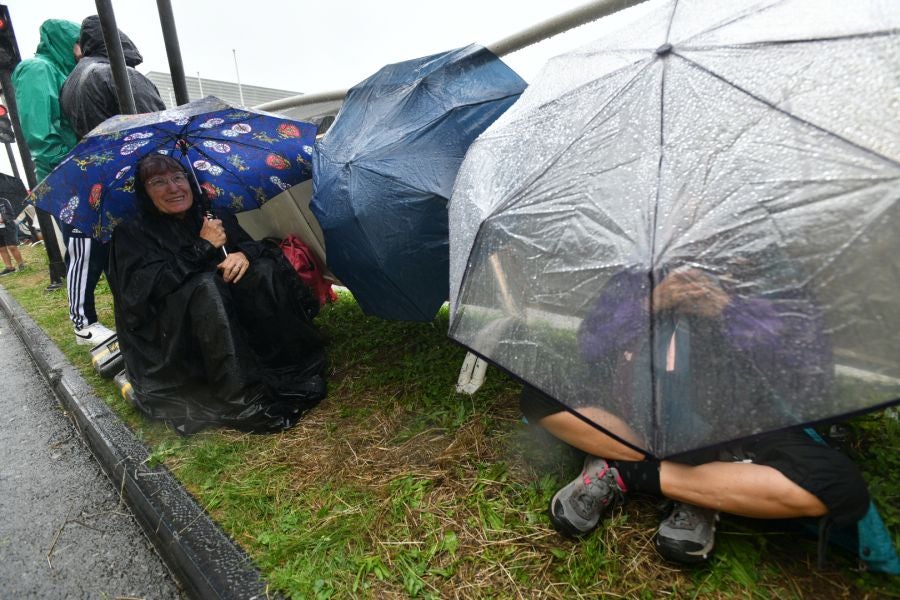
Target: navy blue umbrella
x,y
384,172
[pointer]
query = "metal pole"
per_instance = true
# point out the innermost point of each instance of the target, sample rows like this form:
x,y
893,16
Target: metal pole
x,y
56,265
302,100
238,75
537,33
12,161
9,97
200,84
562,22
116,56
173,50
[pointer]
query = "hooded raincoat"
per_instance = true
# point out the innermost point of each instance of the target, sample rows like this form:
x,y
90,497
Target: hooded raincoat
x,y
89,96
37,82
199,351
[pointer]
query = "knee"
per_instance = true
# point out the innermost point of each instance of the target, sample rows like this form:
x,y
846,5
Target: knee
x,y
208,283
207,288
260,271
840,493
844,492
798,501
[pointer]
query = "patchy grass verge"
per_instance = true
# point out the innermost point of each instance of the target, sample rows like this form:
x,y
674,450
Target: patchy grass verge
x,y
396,486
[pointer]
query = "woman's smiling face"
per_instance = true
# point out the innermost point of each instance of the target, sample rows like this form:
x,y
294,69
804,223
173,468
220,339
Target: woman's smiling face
x,y
170,192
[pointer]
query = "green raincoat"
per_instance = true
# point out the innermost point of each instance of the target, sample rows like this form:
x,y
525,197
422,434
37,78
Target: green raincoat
x,y
37,82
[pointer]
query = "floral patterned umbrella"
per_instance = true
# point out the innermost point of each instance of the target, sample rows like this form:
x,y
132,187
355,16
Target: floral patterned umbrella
x,y
241,158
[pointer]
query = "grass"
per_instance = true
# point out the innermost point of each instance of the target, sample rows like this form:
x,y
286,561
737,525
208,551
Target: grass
x,y
396,486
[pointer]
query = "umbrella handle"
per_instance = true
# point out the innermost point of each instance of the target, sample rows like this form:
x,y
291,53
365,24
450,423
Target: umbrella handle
x,y
209,216
509,303
182,144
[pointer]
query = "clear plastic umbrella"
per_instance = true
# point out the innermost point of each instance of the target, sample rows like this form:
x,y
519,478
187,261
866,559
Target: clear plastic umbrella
x,y
690,224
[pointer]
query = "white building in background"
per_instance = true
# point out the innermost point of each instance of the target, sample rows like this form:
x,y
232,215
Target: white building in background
x,y
198,87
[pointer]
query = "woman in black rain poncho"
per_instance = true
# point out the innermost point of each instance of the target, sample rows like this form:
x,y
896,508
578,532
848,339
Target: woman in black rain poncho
x,y
209,339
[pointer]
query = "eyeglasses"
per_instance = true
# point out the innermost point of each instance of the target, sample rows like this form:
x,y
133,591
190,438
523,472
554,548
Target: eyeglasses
x,y
161,182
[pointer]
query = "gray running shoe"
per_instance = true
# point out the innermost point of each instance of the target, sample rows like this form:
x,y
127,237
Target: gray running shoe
x,y
576,509
688,534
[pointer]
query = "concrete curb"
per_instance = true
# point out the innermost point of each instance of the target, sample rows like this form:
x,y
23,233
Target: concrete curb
x,y
205,561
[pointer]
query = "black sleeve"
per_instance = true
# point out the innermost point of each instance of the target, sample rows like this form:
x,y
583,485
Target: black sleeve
x,y
93,100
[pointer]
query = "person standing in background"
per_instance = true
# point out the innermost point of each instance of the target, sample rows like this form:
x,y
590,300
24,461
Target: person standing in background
x,y
9,238
37,81
88,97
50,137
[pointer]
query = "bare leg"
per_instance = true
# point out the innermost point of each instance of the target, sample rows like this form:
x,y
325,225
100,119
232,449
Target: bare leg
x,y
745,489
740,488
588,438
4,254
14,250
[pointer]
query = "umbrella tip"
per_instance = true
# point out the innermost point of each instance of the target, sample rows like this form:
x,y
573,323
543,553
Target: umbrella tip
x,y
664,49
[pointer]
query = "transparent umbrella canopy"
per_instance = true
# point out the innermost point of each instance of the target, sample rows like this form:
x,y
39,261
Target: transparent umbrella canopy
x,y
688,228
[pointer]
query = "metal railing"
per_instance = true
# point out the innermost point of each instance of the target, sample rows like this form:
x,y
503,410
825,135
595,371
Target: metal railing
x,y
536,33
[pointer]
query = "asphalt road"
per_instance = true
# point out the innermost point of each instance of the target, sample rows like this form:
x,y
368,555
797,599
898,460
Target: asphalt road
x,y
64,533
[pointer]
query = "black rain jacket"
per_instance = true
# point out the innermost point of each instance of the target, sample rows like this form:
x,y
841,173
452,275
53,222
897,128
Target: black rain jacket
x,y
88,96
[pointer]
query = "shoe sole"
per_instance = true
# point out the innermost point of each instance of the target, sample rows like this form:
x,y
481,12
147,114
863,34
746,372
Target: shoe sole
x,y
93,340
565,527
676,552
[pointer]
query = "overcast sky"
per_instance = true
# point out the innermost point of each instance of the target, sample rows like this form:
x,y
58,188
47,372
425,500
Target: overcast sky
x,y
309,46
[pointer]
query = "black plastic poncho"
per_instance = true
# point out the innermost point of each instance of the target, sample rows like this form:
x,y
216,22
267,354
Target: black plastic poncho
x,y
199,351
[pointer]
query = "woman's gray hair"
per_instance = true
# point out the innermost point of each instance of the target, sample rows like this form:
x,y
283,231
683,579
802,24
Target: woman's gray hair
x,y
153,164
156,163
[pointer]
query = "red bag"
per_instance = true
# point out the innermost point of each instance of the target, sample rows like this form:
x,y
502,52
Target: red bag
x,y
308,267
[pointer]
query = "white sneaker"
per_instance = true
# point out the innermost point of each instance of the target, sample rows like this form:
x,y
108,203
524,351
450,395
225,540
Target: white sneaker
x,y
93,334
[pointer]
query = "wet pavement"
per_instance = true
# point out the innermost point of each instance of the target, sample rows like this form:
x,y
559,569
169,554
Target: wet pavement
x,y
64,532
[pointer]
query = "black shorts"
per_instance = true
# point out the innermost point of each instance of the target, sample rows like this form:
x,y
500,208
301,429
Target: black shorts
x,y
9,235
824,472
536,405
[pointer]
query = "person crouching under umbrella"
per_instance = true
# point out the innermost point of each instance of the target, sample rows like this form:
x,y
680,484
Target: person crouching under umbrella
x,y
215,328
777,475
